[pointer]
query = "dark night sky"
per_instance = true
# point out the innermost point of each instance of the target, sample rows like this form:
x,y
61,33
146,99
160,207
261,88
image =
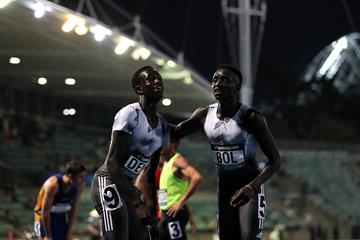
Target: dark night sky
x,y
295,31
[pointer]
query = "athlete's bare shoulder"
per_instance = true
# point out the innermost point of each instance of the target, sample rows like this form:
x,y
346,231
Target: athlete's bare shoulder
x,y
200,113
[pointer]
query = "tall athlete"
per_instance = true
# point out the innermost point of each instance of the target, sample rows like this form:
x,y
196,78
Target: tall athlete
x,y
138,134
178,181
233,130
57,203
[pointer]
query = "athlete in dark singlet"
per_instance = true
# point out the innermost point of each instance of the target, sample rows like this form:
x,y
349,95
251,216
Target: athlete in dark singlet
x,y
57,203
138,134
233,130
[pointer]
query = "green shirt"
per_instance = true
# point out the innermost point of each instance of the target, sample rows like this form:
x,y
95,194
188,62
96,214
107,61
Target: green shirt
x,y
171,188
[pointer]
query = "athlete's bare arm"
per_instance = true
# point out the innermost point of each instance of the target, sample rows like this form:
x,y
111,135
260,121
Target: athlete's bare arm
x,y
51,188
192,175
258,127
192,124
148,181
74,210
118,152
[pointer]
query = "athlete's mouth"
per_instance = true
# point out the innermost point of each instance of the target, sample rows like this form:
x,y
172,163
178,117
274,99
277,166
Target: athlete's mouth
x,y
158,88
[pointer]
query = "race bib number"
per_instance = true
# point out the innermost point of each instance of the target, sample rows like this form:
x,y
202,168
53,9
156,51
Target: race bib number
x,y
261,208
135,164
111,198
227,154
162,197
175,230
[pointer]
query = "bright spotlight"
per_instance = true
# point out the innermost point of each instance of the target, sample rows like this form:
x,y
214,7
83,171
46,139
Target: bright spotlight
x,y
160,62
70,24
100,32
66,112
166,102
70,81
39,10
188,80
171,64
81,29
42,81
141,52
72,111
123,45
14,60
4,3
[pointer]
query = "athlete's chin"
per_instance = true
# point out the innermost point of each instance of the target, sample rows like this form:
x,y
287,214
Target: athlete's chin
x,y
157,97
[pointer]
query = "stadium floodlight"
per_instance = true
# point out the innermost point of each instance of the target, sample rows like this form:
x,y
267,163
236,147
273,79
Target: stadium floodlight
x,y
70,24
70,81
166,102
171,63
100,32
14,60
81,29
188,80
123,45
42,81
339,45
72,111
4,3
160,61
141,52
39,10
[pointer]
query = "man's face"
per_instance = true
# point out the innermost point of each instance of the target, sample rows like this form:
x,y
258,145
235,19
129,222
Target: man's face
x,y
79,179
151,84
225,84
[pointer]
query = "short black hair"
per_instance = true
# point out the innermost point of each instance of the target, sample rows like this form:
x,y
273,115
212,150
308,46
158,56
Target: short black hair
x,y
135,78
74,167
233,69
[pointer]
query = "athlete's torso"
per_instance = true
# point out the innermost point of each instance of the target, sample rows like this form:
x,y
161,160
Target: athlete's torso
x,y
145,140
171,188
62,200
232,146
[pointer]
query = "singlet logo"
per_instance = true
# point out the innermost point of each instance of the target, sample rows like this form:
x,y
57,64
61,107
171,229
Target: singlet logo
x,y
227,154
111,197
135,164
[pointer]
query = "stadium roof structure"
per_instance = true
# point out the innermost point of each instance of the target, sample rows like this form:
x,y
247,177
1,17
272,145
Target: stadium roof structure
x,y
44,43
339,62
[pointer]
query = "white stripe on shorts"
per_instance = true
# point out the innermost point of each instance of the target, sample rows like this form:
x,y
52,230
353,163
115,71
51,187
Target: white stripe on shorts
x,y
108,224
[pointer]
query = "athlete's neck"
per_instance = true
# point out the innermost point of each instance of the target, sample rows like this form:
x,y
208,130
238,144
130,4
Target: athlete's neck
x,y
67,181
149,109
227,109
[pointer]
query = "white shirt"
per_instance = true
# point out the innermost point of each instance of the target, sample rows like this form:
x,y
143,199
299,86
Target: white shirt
x,y
145,140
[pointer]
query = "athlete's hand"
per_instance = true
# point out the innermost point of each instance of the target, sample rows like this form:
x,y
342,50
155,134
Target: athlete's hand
x,y
173,210
242,196
193,227
143,211
47,238
145,216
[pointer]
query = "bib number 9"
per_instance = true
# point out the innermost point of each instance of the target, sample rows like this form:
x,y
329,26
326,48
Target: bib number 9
x,y
112,200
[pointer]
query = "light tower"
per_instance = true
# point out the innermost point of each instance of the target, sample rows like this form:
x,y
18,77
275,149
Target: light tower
x,y
244,23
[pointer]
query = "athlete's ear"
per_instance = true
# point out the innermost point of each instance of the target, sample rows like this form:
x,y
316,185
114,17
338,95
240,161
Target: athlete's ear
x,y
138,90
